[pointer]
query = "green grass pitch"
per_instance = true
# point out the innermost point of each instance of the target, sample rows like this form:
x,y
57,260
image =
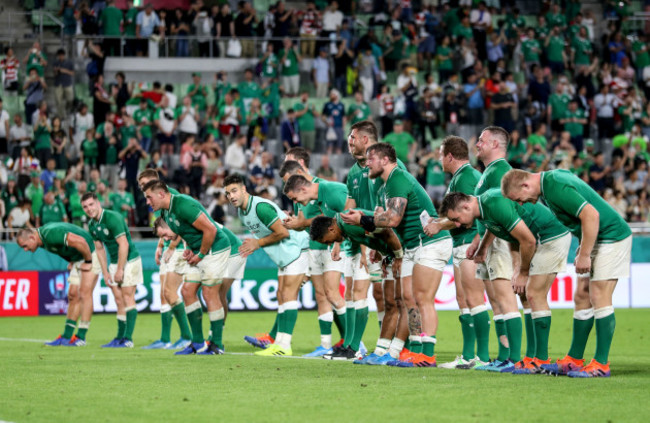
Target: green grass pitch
x,y
41,384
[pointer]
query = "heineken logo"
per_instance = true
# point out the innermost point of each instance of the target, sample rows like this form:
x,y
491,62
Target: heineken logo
x,y
105,231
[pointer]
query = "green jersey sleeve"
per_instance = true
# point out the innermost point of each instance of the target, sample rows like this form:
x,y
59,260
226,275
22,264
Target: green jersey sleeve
x,y
566,198
187,211
399,186
116,225
267,214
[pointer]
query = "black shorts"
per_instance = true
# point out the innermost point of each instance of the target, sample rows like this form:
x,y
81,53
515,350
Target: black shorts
x,y
11,86
164,139
3,146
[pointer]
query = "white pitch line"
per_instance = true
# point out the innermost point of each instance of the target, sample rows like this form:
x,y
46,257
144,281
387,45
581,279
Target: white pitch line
x,y
42,341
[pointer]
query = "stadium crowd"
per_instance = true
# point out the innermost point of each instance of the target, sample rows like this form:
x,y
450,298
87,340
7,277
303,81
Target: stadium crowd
x,y
570,99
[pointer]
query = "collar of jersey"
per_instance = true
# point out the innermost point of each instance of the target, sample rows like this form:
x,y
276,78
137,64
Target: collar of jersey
x,y
541,183
497,160
480,206
249,205
461,168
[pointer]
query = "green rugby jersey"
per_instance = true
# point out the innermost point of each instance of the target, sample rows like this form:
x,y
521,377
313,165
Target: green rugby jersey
x,y
402,184
55,240
182,213
54,212
566,195
365,192
157,213
491,178
500,215
358,235
107,229
332,197
464,180
309,211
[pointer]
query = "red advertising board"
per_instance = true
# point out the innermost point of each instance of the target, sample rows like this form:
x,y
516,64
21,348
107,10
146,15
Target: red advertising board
x,y
18,293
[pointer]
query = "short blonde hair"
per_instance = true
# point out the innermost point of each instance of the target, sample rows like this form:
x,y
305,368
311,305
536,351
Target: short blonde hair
x,y
513,180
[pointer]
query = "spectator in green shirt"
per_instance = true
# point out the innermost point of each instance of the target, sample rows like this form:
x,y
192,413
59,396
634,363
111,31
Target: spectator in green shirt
x,y
89,149
434,176
111,22
249,89
290,59
443,56
555,55
359,110
130,18
51,211
306,114
122,200
574,121
34,192
43,141
403,142
143,119
199,94
581,49
269,63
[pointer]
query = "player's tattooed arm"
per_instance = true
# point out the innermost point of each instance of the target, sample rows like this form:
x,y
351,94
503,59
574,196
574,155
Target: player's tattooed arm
x,y
392,216
415,321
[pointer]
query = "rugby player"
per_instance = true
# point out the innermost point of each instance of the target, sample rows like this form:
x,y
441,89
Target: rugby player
x,y
75,246
325,272
543,245
498,268
287,249
169,256
109,231
424,258
329,230
329,198
207,251
604,256
474,317
363,193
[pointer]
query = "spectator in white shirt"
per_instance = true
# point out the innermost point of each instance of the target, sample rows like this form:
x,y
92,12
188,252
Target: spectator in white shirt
x,y
83,121
187,119
481,20
321,73
20,217
4,130
235,159
332,19
605,103
19,136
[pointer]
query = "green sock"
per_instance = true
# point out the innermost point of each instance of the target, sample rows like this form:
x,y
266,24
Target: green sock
x,y
581,328
166,323
83,330
360,321
407,344
514,329
542,331
604,333
500,327
121,326
415,344
181,318
429,345
290,318
349,324
482,329
70,326
276,325
195,319
131,316
325,326
216,327
469,334
339,321
530,334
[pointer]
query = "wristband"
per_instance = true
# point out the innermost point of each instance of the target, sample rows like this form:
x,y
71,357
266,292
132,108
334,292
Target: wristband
x,y
88,261
368,223
201,255
399,253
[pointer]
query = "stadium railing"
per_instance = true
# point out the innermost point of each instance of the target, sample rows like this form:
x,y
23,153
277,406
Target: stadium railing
x,y
39,18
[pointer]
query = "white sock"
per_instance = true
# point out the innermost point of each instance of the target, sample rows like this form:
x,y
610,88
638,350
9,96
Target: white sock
x,y
283,340
464,311
478,309
601,313
165,308
583,314
539,314
190,308
383,344
217,315
396,347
